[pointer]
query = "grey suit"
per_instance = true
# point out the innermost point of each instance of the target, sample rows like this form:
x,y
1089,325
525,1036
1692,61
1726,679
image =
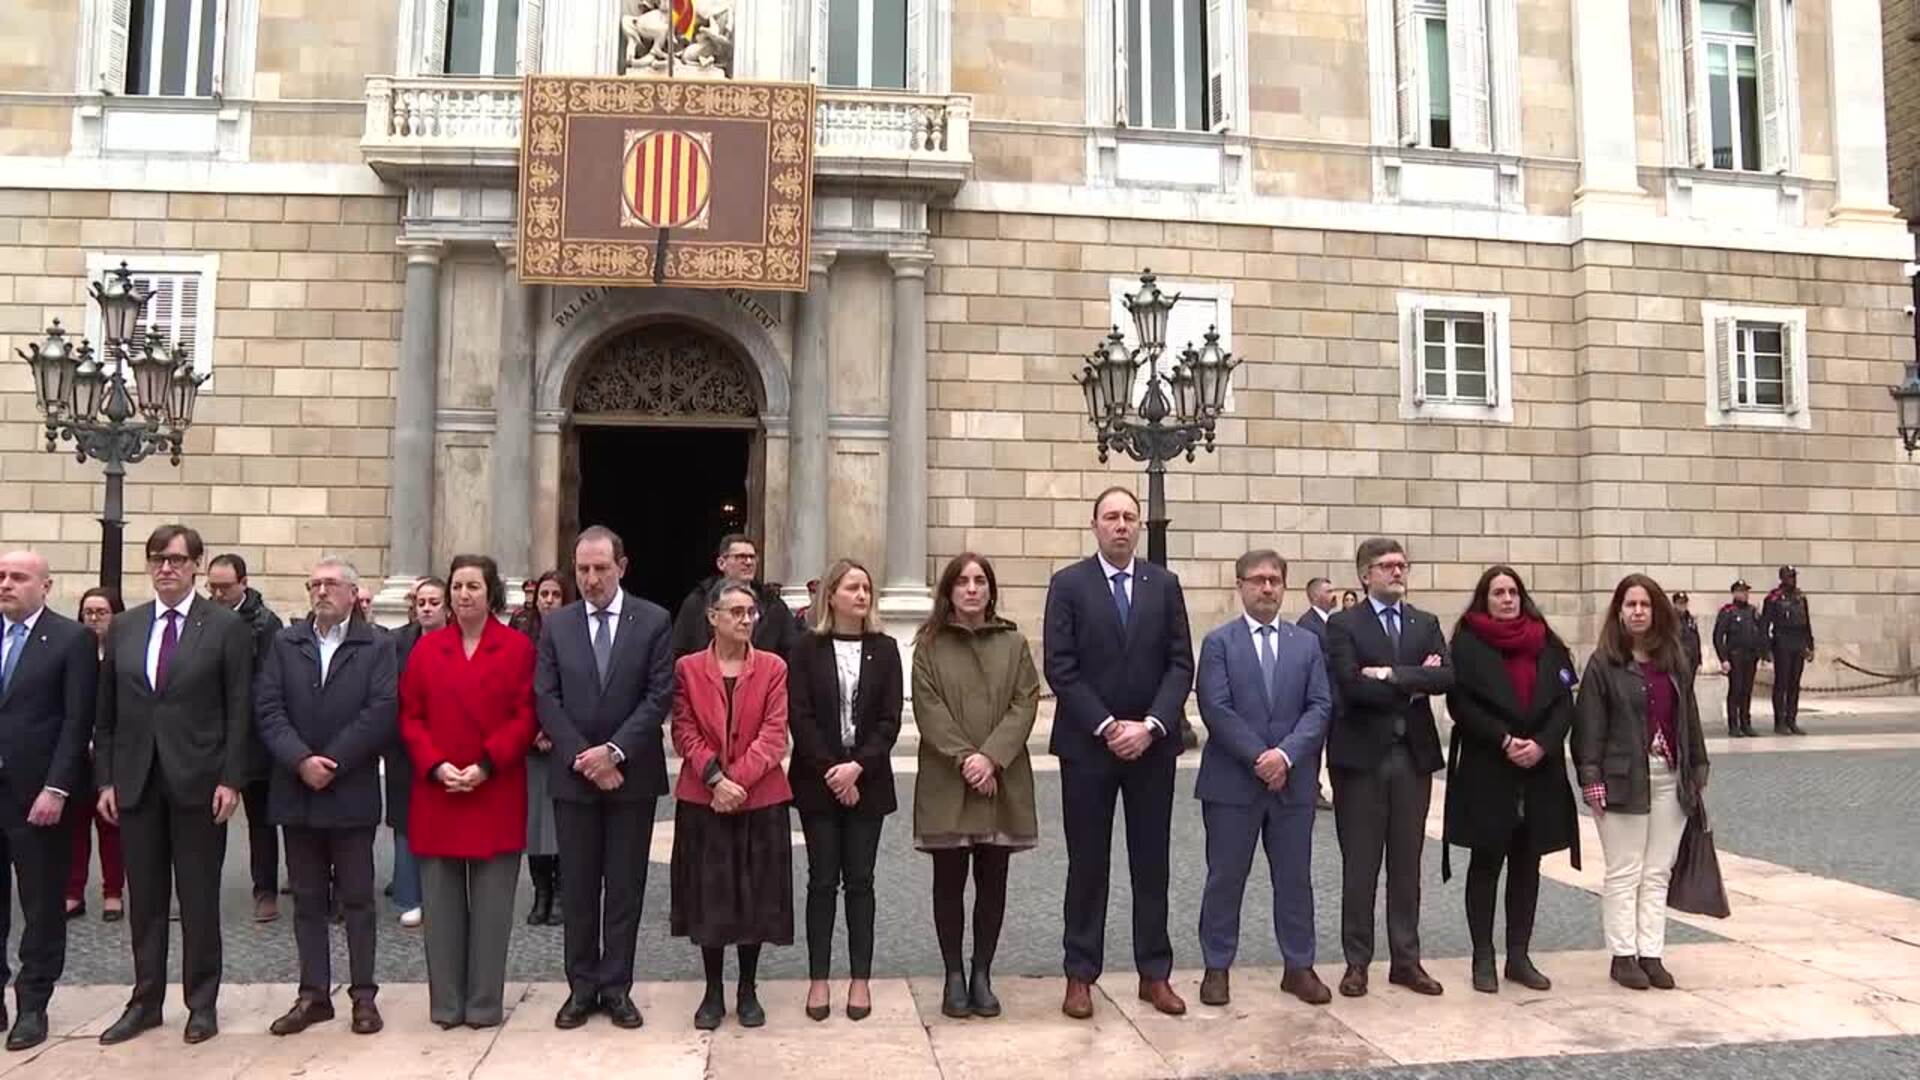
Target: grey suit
x,y
1246,715
163,752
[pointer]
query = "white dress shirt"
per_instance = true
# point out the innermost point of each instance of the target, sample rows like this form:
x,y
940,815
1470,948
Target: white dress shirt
x,y
330,643
1254,626
160,628
1326,614
1107,570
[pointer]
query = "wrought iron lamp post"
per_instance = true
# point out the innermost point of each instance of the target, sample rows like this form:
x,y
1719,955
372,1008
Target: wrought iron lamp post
x,y
106,416
1176,413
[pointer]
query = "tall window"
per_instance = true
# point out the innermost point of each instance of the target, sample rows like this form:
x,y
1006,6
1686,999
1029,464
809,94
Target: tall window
x,y
172,47
1733,83
1737,58
1439,112
1165,81
1443,77
867,43
482,37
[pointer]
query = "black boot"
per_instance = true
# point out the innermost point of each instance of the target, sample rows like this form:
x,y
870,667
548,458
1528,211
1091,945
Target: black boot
x,y
712,1010
542,875
980,993
1520,969
954,1002
1484,979
747,1005
554,917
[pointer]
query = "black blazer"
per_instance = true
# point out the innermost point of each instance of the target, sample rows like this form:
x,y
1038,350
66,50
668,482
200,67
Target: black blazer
x,y
1363,723
1098,668
197,728
351,718
813,719
1313,624
46,714
630,712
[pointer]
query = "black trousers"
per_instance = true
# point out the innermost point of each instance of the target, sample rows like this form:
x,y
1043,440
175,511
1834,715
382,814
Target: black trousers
x,y
1523,892
604,848
1381,811
173,849
263,846
39,857
1740,671
1087,794
842,845
327,866
1788,664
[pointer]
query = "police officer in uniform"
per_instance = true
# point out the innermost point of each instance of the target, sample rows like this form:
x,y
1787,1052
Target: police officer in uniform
x,y
1789,630
1689,631
1739,642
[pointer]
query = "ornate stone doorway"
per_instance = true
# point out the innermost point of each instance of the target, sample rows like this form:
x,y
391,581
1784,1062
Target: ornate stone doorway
x,y
663,444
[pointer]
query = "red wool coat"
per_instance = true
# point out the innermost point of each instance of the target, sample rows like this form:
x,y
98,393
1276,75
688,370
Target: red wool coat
x,y
454,709
752,759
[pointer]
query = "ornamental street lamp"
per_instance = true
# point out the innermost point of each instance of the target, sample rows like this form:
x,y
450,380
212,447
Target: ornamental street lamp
x,y
1175,414
1906,396
106,417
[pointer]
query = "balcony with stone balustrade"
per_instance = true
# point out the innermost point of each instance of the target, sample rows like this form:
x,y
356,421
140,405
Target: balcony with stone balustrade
x,y
882,141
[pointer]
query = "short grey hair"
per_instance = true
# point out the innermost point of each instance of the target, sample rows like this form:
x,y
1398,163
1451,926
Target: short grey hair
x,y
717,592
347,570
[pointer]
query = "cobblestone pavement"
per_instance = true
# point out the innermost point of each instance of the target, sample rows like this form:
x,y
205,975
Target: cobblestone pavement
x,y
1839,814
1818,1059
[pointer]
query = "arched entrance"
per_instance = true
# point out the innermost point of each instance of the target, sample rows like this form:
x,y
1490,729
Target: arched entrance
x,y
663,444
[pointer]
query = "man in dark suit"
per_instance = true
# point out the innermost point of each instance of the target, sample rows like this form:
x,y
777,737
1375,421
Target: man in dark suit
x,y
170,756
1322,604
47,682
1264,698
1386,659
327,707
1119,657
602,686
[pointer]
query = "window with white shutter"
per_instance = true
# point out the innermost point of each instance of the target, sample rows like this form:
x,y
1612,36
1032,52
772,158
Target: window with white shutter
x,y
1736,59
1443,74
1166,64
1755,369
1455,358
480,37
182,309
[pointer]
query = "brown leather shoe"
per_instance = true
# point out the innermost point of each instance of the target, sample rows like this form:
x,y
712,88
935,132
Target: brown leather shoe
x,y
366,1018
302,1016
1079,1000
1305,985
1417,980
266,908
1354,982
1214,989
1159,993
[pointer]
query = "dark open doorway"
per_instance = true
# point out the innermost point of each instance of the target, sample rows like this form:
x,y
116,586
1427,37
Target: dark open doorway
x,y
671,493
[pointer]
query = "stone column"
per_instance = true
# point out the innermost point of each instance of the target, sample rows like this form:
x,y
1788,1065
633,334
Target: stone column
x,y
410,499
511,461
1602,64
806,540
1857,110
904,596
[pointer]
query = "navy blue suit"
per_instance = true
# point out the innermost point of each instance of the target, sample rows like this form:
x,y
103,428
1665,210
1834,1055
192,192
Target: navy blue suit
x,y
1245,717
1099,668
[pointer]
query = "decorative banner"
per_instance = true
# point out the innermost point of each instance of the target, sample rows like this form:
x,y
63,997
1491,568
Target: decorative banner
x,y
722,169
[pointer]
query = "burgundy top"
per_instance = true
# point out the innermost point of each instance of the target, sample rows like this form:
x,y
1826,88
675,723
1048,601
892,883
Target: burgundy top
x,y
1663,706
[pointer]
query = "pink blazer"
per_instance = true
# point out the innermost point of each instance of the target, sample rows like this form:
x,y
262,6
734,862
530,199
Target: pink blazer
x,y
752,758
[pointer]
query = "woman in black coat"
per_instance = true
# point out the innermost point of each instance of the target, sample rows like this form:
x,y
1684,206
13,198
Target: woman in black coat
x,y
1508,798
843,708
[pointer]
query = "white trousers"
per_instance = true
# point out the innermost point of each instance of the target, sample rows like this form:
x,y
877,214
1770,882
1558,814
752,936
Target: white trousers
x,y
1639,851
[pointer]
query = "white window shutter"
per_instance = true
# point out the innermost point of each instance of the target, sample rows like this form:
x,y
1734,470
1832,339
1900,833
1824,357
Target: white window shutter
x,y
1409,87
917,82
1491,336
1120,63
532,22
819,41
1789,375
115,35
219,57
433,48
1723,360
1775,94
1693,66
1419,337
1220,61
1467,73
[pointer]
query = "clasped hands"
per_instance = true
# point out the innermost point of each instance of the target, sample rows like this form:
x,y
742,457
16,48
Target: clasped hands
x,y
728,797
844,781
457,780
1384,672
1128,739
1271,768
981,774
597,765
1524,752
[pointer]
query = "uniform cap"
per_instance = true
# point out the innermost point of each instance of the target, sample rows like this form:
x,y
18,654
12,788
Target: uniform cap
x,y
1679,598
1740,585
1787,572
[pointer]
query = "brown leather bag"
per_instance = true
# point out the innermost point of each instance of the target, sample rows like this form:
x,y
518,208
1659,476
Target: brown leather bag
x,y
1696,886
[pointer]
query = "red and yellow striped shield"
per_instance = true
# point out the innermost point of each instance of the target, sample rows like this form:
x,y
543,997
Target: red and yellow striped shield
x,y
667,179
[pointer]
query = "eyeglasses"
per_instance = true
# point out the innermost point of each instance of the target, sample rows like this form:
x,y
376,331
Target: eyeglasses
x,y
1398,566
175,562
1265,581
741,614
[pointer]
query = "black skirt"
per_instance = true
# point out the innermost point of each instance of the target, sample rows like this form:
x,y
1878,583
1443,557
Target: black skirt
x,y
732,876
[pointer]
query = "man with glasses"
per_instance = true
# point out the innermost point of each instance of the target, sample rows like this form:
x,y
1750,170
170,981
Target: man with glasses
x,y
227,584
327,702
170,756
738,561
1387,659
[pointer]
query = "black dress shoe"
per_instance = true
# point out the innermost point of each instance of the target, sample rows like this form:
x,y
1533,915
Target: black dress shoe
x,y
366,1018
1520,969
747,1006
1484,979
622,1011
302,1016
954,1001
1354,982
817,1013
1417,980
573,1013
1657,975
29,1031
1215,990
980,996
77,912
132,1022
202,1025
712,1010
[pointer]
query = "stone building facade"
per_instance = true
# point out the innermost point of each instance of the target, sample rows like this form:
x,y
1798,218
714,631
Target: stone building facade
x,y
1580,285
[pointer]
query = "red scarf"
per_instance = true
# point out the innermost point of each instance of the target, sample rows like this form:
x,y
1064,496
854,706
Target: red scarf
x,y
1519,643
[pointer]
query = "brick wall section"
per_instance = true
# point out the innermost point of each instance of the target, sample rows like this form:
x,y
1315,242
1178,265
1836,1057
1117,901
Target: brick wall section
x,y
289,454
1608,467
1902,62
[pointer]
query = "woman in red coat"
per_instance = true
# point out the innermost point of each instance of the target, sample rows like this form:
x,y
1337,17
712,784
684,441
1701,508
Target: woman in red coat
x,y
732,867
466,716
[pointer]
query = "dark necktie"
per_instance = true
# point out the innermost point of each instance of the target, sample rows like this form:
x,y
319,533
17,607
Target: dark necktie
x,y
1267,657
602,644
169,640
1120,602
1392,617
16,641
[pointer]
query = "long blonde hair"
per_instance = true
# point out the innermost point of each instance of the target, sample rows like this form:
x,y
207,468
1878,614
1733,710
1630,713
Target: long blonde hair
x,y
822,600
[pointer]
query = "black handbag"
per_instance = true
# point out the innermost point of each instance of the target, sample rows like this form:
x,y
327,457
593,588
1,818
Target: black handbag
x,y
1696,887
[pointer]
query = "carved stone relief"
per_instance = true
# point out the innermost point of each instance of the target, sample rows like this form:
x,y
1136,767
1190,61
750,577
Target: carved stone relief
x,y
668,371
